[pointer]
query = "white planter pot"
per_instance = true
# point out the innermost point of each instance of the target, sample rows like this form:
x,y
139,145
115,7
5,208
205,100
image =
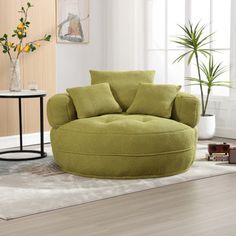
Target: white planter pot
x,y
206,127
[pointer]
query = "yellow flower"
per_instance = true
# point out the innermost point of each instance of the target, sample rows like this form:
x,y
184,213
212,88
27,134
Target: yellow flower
x,y
26,48
20,26
19,48
9,44
38,45
19,33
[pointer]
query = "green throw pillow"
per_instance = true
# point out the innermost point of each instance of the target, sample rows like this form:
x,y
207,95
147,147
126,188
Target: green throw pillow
x,y
93,100
153,99
124,84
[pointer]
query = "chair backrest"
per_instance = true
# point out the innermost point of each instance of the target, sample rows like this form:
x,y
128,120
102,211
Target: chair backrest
x,y
124,84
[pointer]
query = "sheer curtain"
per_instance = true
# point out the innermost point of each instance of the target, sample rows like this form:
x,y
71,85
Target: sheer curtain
x,y
124,34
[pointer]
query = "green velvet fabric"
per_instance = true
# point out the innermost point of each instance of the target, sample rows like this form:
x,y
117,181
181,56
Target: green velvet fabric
x,y
186,109
153,99
94,100
124,146
124,84
60,110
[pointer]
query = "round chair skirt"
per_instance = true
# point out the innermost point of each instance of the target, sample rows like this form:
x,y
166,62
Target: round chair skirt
x,y
124,146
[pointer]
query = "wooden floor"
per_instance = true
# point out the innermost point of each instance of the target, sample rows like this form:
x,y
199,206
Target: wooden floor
x,y
198,208
204,207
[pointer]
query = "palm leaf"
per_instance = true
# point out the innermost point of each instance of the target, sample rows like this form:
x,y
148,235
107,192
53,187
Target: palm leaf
x,y
191,79
227,82
181,57
190,57
191,84
204,39
195,41
222,85
204,52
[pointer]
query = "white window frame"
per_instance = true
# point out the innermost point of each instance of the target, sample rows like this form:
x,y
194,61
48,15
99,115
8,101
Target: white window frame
x,y
232,49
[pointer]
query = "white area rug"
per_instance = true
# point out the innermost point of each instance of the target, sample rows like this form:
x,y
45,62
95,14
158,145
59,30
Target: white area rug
x,y
32,187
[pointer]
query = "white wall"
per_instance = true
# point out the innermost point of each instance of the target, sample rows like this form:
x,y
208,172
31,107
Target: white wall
x,y
116,43
75,60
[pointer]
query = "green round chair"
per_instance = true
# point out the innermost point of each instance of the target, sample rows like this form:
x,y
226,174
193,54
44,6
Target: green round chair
x,y
124,145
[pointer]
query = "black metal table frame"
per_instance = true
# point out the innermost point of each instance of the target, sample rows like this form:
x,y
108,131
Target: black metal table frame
x,y
21,150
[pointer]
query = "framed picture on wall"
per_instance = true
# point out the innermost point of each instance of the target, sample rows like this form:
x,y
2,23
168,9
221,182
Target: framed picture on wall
x,y
73,21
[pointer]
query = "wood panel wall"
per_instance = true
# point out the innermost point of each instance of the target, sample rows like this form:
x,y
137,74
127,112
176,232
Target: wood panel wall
x,y
38,66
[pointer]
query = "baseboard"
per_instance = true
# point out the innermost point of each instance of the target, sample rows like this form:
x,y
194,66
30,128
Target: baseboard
x,y
226,133
28,139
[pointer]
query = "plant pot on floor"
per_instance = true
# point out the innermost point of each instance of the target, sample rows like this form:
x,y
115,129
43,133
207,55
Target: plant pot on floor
x,y
206,127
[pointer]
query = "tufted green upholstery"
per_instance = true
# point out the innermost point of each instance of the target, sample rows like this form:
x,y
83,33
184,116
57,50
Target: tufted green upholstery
x,y
186,109
124,145
154,99
60,110
94,100
124,84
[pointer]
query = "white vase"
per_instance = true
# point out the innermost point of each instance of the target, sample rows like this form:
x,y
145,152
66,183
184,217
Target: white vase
x,y
206,127
14,80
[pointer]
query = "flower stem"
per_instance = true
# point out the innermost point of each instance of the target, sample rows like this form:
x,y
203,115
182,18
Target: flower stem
x,y
9,54
21,40
37,40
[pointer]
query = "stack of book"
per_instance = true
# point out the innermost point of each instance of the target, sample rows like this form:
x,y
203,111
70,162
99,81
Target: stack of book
x,y
218,157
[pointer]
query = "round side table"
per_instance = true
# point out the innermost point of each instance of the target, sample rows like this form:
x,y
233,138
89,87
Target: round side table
x,y
24,94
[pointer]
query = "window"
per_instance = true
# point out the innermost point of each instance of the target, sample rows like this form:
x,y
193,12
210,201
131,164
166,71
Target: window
x,y
163,17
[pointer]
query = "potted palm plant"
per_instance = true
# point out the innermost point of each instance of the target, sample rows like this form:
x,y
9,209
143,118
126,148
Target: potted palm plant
x,y
195,42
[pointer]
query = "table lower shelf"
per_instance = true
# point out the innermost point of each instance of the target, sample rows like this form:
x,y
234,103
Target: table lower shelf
x,y
41,155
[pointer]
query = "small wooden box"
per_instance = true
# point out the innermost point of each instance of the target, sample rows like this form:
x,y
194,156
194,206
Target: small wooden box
x,y
232,155
218,148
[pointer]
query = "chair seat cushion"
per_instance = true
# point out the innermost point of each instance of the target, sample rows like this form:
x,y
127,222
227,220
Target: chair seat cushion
x,y
124,146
